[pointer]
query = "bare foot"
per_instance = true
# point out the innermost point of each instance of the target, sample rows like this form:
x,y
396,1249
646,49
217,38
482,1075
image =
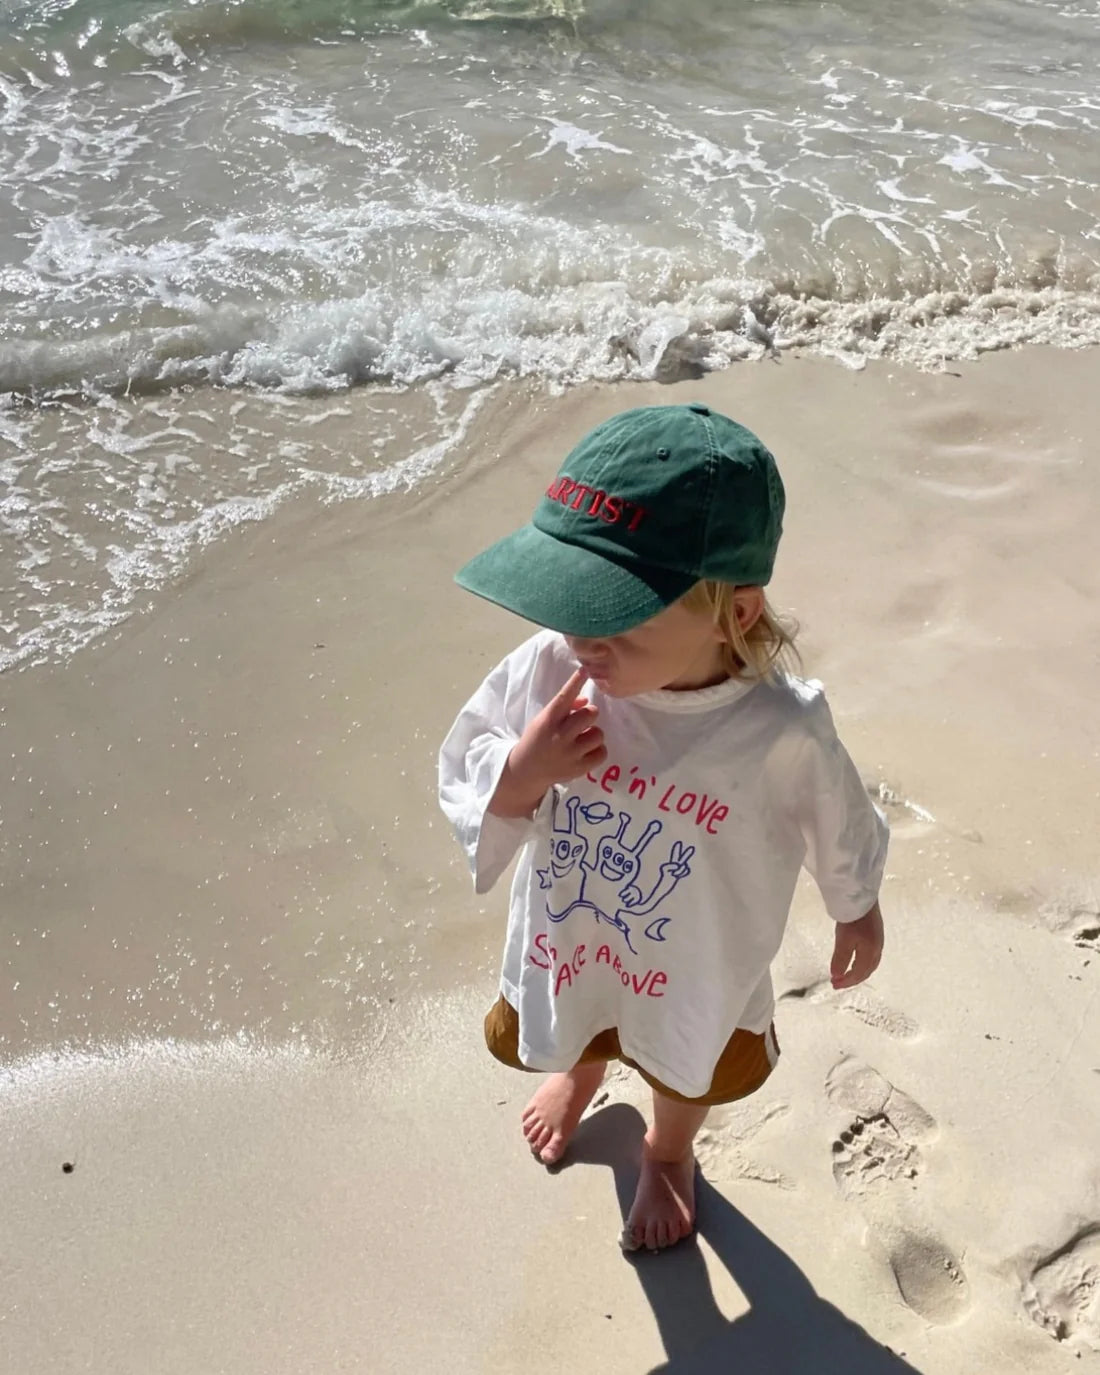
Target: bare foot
x,y
663,1211
551,1117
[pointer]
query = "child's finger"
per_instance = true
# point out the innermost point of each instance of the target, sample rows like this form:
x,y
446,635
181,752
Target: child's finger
x,y
864,962
842,957
864,965
577,723
561,704
594,757
589,740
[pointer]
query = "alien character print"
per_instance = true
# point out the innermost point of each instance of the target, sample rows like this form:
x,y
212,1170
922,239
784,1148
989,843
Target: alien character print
x,y
605,864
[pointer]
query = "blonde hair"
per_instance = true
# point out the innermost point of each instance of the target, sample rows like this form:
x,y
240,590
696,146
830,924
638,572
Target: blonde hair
x,y
766,647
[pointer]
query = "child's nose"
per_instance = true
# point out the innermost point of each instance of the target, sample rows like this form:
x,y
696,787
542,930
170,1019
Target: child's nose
x,y
584,648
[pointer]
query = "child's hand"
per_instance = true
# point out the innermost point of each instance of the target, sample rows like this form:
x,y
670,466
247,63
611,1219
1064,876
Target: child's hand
x,y
561,743
857,949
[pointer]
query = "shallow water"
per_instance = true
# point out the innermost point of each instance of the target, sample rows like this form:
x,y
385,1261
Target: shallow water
x,y
297,198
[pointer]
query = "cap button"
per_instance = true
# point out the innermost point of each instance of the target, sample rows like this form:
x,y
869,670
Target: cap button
x,y
699,408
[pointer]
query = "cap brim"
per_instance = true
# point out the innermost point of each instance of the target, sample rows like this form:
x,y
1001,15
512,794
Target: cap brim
x,y
566,588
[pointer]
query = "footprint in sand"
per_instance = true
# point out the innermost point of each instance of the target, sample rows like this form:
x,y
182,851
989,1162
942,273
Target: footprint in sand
x,y
1088,938
872,1150
929,1278
877,1160
882,1142
861,1003
719,1146
1066,916
1062,1293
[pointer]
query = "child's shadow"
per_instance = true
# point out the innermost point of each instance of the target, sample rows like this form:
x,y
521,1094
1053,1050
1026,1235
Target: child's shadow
x,y
789,1329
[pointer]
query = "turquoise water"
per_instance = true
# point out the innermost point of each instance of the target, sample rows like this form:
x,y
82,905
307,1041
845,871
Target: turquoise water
x,y
296,198
307,195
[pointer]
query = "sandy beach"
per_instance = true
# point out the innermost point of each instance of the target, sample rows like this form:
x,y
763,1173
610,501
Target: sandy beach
x,y
243,970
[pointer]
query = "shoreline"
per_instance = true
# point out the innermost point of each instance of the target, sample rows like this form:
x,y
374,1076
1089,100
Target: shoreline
x,y
232,884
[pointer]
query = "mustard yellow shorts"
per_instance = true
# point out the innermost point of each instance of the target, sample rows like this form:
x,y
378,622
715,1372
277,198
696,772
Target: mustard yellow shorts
x,y
742,1067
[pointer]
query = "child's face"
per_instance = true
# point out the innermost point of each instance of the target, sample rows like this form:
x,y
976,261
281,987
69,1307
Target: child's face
x,y
678,649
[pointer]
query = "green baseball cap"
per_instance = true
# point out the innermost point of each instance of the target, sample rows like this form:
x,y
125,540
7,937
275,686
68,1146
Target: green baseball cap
x,y
646,505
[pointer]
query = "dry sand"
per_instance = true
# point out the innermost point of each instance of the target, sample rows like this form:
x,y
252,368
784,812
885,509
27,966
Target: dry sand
x,y
243,971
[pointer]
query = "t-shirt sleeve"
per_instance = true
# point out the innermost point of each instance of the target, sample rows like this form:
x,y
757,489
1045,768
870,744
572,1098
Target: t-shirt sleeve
x,y
844,832
471,761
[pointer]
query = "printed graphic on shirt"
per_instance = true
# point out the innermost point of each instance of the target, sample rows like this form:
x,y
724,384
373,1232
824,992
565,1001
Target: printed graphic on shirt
x,y
618,875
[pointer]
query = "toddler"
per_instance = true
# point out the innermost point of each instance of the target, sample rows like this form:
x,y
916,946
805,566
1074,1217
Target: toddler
x,y
664,782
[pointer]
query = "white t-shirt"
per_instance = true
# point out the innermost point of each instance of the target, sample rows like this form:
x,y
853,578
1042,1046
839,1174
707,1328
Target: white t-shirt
x,y
652,894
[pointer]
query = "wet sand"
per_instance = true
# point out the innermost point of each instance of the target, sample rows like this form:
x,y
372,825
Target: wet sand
x,y
243,969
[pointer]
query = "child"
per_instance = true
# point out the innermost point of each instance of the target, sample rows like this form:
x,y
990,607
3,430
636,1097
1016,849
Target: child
x,y
664,783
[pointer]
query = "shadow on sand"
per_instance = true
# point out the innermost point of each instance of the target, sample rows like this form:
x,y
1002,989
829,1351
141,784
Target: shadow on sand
x,y
789,1330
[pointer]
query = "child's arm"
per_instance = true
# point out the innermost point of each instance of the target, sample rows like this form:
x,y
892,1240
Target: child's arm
x,y
559,744
498,763
846,838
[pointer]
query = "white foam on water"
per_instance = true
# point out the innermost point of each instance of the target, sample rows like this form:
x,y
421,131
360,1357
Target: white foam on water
x,y
576,141
66,613
301,199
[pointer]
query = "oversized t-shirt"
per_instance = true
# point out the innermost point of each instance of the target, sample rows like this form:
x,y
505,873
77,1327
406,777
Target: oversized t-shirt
x,y
652,894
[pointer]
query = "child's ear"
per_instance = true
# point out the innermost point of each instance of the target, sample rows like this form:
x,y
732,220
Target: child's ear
x,y
748,607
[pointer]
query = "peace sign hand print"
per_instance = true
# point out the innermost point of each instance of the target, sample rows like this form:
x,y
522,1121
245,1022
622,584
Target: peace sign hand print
x,y
675,868
678,866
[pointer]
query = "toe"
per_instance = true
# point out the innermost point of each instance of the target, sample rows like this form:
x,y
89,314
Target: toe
x,y
663,1237
554,1149
531,1127
540,1138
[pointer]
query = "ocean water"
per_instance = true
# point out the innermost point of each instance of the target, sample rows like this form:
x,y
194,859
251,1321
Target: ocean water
x,y
216,219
